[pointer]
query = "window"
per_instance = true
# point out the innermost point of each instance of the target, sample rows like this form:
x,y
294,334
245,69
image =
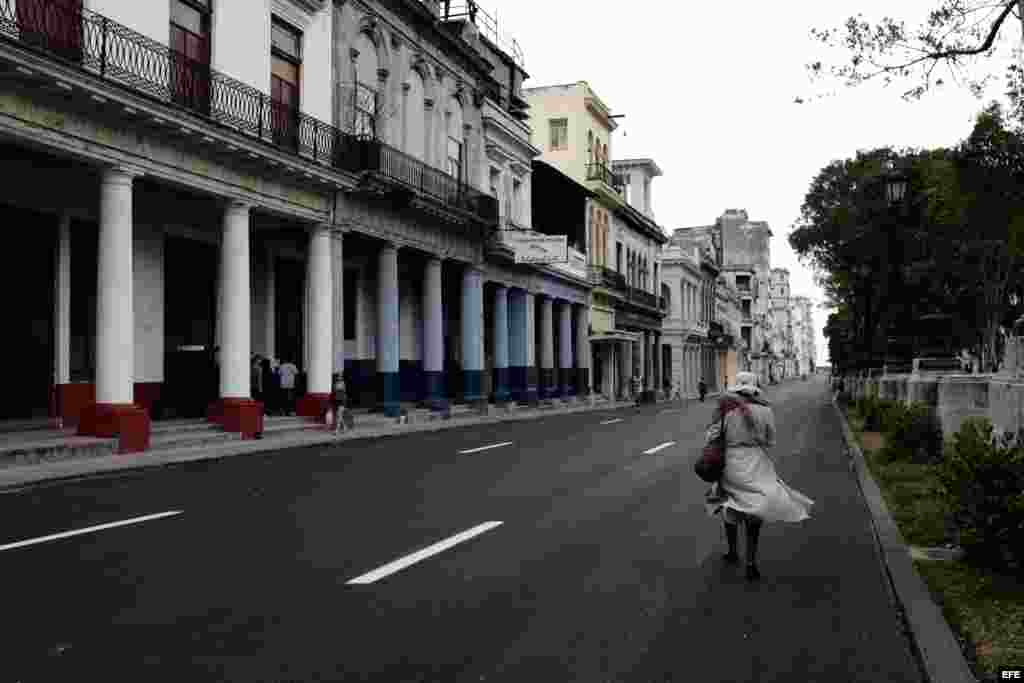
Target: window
x,y
743,283
52,24
655,274
285,66
415,118
559,133
190,54
618,257
455,139
517,200
746,308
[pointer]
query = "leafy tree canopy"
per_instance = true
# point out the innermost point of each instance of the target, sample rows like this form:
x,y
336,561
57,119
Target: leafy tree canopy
x,y
954,38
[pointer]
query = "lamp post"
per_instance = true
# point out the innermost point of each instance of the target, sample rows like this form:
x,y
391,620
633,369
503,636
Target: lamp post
x,y
896,183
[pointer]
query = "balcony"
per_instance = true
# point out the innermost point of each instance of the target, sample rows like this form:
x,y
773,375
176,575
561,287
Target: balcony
x,y
468,10
607,278
599,171
576,267
644,298
127,59
414,176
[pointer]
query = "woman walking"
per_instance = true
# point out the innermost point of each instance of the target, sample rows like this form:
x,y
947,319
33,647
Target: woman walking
x,y
749,492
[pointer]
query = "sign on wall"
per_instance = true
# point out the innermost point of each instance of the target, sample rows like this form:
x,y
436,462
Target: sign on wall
x,y
534,248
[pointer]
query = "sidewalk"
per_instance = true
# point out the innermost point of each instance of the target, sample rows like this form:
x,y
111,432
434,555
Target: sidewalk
x,y
936,647
14,477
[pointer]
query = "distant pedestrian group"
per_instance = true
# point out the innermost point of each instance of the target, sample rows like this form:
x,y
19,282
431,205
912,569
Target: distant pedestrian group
x,y
274,384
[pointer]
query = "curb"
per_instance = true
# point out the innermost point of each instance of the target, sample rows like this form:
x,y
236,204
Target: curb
x,y
76,469
935,645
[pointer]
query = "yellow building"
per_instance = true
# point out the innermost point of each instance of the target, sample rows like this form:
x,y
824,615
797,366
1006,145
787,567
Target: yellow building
x,y
573,128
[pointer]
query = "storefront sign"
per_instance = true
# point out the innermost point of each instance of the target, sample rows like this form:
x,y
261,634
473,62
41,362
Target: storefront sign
x,y
534,248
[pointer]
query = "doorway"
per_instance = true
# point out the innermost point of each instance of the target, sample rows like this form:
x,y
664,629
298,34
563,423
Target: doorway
x,y
29,316
190,310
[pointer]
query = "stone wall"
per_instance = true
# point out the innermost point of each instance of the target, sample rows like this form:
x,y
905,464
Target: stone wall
x,y
952,398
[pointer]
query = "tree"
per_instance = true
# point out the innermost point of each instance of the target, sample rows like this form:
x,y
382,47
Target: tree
x,y
957,34
959,249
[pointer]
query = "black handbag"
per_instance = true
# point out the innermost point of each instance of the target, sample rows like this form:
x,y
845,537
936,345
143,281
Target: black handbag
x,y
711,463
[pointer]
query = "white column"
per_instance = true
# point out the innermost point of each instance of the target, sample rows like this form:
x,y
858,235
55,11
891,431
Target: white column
x,y
270,316
62,304
236,315
320,330
115,319
643,349
338,300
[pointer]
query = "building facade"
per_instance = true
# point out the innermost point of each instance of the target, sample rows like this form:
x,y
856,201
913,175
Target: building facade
x,y
804,336
325,191
702,330
573,129
782,342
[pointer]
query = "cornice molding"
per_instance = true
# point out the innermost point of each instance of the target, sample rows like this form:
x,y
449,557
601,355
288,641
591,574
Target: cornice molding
x,y
298,12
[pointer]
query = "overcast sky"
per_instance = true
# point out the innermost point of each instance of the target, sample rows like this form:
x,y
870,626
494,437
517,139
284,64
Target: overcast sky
x,y
707,90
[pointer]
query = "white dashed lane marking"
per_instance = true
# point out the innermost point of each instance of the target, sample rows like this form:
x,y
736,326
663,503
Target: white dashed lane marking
x,y
420,555
486,448
611,422
651,451
88,530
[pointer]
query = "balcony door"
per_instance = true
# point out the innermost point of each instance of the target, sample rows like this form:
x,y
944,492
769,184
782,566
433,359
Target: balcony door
x,y
53,25
190,54
285,72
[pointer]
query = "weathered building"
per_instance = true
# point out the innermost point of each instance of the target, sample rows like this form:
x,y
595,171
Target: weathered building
x,y
783,357
573,128
298,179
804,335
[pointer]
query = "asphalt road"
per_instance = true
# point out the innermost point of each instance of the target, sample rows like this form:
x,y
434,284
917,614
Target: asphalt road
x,y
604,566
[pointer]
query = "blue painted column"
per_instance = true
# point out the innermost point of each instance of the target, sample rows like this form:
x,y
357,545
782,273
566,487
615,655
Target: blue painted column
x,y
501,354
433,335
472,335
518,355
583,351
564,348
547,348
387,330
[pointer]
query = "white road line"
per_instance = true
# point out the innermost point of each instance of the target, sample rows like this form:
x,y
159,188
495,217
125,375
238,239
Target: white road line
x,y
668,410
651,451
419,555
88,529
611,422
486,448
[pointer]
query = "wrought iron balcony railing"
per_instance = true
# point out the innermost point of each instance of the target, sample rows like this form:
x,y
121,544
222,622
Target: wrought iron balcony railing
x,y
643,297
368,154
463,10
600,171
119,55
606,277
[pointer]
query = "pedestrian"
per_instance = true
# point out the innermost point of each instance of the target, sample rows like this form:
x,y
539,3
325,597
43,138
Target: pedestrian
x,y
256,378
636,388
338,401
288,371
750,491
267,382
702,389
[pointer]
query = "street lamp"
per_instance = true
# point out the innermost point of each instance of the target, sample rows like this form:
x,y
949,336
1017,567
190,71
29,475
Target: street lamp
x,y
896,184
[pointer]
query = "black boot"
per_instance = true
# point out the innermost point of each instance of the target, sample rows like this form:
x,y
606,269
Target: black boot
x,y
731,537
753,532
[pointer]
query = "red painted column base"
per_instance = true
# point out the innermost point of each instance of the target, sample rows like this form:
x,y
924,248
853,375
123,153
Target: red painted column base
x,y
126,421
241,415
313,406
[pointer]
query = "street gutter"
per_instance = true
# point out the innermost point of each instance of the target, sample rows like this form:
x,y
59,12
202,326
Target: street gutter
x,y
935,646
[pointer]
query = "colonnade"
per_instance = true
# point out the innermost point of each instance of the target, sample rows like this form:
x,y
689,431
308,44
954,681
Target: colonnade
x,y
515,364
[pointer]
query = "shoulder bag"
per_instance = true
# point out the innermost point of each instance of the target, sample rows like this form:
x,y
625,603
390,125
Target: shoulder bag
x,y
711,463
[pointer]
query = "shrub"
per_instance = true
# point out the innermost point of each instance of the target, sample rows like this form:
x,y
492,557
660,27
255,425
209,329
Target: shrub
x,y
873,411
982,477
911,433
